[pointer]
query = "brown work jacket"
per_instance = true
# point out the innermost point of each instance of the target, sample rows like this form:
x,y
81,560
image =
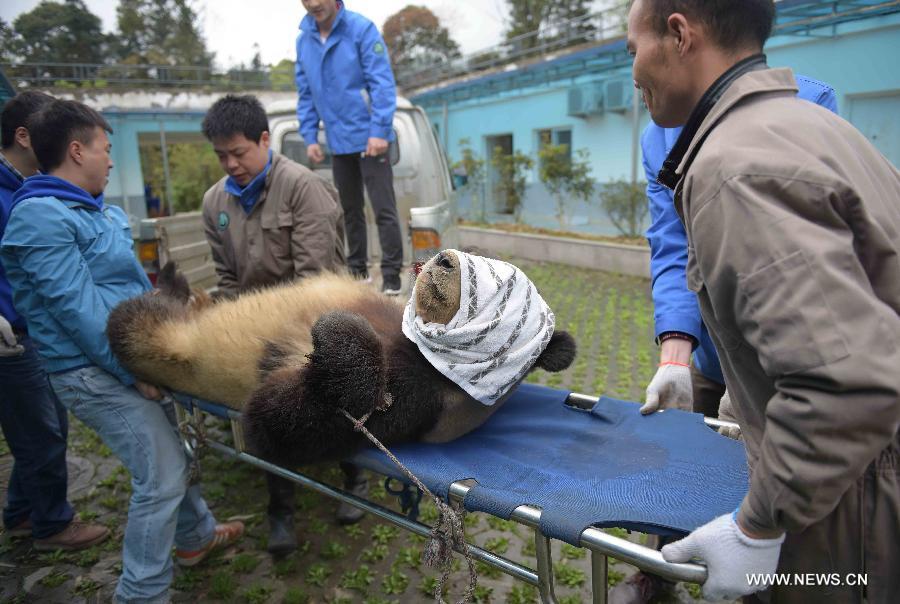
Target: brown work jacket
x,y
793,224
295,229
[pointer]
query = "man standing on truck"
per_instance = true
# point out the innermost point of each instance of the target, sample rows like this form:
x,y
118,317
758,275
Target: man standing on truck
x,y
34,423
270,221
70,261
344,78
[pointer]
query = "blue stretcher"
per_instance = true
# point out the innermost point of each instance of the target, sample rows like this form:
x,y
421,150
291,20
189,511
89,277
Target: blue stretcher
x,y
563,464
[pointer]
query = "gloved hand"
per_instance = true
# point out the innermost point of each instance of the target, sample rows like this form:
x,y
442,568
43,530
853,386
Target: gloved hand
x,y
670,388
726,414
729,555
9,346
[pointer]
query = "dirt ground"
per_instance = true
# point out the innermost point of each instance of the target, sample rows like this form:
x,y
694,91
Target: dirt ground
x,y
372,562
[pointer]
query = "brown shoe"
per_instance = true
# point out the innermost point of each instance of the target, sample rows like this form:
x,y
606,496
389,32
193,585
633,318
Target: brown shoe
x,y
21,530
77,535
224,535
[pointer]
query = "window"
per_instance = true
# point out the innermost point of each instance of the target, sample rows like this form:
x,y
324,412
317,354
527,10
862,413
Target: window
x,y
294,147
555,136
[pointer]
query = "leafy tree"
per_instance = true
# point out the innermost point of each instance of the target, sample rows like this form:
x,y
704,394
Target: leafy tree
x,y
282,75
579,32
512,179
59,32
160,32
193,168
526,16
566,178
7,42
472,167
416,39
626,205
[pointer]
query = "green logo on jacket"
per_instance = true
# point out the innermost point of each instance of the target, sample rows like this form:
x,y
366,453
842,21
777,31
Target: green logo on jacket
x,y
223,220
379,48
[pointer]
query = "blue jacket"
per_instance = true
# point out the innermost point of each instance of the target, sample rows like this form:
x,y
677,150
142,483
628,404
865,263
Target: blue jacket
x,y
346,82
675,306
69,259
9,184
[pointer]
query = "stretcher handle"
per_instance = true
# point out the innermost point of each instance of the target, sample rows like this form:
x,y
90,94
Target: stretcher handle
x,y
586,403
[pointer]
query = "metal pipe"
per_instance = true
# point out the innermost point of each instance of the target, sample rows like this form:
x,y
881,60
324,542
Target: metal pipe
x,y
544,567
586,403
599,577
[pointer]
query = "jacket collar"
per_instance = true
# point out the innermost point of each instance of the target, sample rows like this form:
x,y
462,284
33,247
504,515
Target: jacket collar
x,y
308,23
746,78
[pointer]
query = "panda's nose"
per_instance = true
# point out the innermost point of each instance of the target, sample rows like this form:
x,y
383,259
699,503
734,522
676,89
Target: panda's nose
x,y
443,261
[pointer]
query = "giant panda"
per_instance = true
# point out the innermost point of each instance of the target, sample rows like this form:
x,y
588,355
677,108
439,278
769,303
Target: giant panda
x,y
291,356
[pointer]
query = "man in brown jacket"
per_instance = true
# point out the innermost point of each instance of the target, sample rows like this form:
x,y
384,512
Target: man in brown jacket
x,y
270,221
793,224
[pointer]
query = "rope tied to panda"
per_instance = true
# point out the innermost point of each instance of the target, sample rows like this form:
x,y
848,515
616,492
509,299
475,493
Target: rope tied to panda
x,y
447,534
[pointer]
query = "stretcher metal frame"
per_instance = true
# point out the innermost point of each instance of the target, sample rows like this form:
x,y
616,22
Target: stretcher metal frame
x,y
601,544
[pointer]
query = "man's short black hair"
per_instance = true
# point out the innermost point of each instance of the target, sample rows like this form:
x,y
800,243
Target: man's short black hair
x,y
233,114
732,24
59,123
16,112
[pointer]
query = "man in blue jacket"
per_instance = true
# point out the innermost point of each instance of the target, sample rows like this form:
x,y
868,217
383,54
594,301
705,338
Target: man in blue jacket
x,y
679,330
344,78
69,259
34,423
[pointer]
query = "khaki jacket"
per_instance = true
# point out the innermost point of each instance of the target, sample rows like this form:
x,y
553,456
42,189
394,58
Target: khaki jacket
x,y
793,223
296,229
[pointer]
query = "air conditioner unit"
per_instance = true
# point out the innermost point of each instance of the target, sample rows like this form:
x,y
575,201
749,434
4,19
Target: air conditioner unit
x,y
618,94
585,101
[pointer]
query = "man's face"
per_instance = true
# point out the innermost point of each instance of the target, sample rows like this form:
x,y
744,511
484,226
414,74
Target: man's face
x,y
659,70
96,161
323,11
242,158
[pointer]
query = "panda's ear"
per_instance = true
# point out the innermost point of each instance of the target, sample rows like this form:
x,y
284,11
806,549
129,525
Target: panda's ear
x,y
560,352
172,283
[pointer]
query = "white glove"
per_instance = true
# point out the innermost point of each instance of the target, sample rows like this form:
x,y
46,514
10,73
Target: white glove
x,y
730,556
670,388
726,414
9,346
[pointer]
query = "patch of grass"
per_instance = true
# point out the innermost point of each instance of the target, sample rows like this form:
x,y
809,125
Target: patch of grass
x,y
376,600
617,532
410,557
570,552
571,599
222,585
395,583
186,579
88,557
376,491
499,524
383,534
57,556
614,577
85,587
285,567
483,595
569,575
244,563
694,590
318,526
87,515
111,502
55,579
354,530
333,550
357,580
376,553
498,545
529,549
522,594
257,593
295,595
318,574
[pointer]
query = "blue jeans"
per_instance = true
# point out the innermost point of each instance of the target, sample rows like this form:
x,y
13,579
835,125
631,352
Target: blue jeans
x,y
35,426
163,509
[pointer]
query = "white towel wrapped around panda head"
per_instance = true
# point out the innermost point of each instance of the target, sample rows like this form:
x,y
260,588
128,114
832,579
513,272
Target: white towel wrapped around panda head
x,y
501,328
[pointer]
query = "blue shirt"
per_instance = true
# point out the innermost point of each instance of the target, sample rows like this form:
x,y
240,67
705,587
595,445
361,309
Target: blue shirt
x,y
675,306
346,82
10,181
69,260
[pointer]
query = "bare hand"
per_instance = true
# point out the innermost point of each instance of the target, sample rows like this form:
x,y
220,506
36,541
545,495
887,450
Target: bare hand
x,y
9,346
315,154
148,391
376,147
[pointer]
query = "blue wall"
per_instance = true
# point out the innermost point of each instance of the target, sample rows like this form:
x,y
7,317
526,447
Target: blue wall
x,y
859,59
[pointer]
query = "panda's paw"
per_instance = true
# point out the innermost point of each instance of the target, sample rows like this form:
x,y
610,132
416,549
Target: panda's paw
x,y
347,362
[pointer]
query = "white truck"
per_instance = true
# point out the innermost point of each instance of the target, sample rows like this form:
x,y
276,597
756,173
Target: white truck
x,y
422,185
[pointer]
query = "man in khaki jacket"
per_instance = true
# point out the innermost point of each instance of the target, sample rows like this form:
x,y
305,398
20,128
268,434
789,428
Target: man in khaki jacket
x,y
793,224
270,221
